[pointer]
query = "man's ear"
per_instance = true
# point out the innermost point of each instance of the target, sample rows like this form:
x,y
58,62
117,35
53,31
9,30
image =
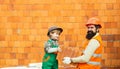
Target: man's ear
x,y
98,30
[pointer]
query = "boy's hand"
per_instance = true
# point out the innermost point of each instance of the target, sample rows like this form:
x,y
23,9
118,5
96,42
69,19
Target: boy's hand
x,y
59,49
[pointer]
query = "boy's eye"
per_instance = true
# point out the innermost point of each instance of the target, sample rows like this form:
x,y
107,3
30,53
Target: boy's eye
x,y
58,32
52,32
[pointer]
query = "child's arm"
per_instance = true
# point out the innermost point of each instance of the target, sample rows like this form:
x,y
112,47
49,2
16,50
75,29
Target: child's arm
x,y
49,49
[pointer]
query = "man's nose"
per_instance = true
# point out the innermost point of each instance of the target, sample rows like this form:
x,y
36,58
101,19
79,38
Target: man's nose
x,y
89,29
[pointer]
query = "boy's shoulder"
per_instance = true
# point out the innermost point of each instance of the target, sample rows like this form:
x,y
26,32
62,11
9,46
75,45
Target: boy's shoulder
x,y
49,41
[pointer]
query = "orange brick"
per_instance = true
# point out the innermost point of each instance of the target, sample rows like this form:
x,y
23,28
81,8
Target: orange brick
x,y
116,6
33,32
8,50
27,50
102,31
12,62
114,62
3,43
109,44
27,21
9,32
36,44
1,55
41,13
27,43
21,61
103,6
24,13
13,25
51,19
24,62
116,44
108,31
7,56
12,55
104,56
25,37
21,56
68,37
25,31
109,6
31,37
72,44
37,7
117,37
97,6
54,13
17,44
2,13
20,50
2,38
15,50
78,6
115,31
101,13
38,26
105,43
108,62
3,31
114,25
14,19
10,43
2,62
65,13
13,37
117,62
4,2
36,19
2,25
2,20
107,25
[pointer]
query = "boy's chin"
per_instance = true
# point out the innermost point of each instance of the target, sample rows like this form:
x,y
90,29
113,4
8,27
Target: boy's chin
x,y
55,39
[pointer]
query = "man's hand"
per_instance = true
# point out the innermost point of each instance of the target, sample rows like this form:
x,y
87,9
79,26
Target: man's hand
x,y
66,60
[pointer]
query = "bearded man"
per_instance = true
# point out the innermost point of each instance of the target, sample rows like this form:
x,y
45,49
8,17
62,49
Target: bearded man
x,y
92,48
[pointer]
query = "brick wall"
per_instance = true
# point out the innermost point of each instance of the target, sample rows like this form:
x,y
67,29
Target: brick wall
x,y
24,24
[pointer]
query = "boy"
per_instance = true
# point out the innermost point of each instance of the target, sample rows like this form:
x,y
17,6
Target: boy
x,y
51,48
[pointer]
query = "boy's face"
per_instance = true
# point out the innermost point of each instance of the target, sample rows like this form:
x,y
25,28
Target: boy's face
x,y
55,34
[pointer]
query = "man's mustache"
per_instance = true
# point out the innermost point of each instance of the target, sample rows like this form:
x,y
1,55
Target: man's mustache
x,y
90,32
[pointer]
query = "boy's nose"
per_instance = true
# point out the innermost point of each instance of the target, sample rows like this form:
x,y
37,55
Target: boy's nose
x,y
56,35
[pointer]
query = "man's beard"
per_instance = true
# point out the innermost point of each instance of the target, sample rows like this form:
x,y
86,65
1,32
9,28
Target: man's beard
x,y
90,34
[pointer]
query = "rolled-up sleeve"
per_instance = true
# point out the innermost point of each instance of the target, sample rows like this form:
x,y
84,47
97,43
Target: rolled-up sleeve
x,y
49,49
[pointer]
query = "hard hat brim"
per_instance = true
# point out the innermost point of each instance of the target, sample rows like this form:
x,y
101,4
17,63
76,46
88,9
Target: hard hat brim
x,y
94,24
